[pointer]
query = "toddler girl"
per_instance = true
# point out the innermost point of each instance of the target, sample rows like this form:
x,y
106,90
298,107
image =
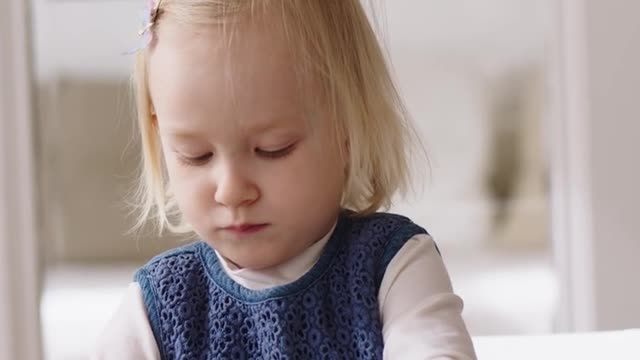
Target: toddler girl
x,y
272,130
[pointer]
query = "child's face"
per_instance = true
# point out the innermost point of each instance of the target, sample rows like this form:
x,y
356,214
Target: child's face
x,y
253,178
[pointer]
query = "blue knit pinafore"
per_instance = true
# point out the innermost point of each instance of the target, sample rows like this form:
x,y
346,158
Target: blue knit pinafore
x,y
197,312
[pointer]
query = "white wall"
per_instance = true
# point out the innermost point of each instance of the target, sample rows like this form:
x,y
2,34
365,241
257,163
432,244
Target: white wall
x,y
87,37
596,129
19,276
613,58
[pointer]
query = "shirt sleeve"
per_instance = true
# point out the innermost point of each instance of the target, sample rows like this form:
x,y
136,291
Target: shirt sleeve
x,y
421,316
128,335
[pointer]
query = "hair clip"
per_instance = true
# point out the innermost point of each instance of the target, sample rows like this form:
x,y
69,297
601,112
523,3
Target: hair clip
x,y
149,18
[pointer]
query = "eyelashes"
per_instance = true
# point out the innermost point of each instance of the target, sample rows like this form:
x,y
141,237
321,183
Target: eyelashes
x,y
194,161
266,154
276,154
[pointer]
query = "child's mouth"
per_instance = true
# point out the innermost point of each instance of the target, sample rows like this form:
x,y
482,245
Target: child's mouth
x,y
243,229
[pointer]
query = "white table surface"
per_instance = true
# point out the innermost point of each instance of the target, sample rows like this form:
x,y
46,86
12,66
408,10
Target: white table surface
x,y
614,345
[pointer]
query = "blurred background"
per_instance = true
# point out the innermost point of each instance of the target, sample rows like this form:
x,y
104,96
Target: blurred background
x,y
473,76
479,79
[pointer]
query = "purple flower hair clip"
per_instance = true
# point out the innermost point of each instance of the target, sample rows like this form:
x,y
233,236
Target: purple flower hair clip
x,y
149,18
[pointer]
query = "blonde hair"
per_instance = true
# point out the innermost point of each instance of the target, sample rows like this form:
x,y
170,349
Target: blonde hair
x,y
339,49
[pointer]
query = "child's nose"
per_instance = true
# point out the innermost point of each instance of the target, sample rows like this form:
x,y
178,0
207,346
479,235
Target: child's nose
x,y
234,188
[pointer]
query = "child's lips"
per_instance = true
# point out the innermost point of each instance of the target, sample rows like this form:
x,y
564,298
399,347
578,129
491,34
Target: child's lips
x,y
243,229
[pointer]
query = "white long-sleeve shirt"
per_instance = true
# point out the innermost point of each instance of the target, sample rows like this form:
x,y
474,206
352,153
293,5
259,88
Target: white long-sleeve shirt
x,y
421,316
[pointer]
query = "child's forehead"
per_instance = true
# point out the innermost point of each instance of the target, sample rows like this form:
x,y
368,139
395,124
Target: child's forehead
x,y
233,33
197,66
234,42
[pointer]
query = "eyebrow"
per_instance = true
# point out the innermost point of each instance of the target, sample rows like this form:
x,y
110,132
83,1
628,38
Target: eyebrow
x,y
259,128
183,134
273,123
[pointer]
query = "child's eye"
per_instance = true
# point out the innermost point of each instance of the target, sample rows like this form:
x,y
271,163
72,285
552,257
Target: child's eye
x,y
275,154
194,161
